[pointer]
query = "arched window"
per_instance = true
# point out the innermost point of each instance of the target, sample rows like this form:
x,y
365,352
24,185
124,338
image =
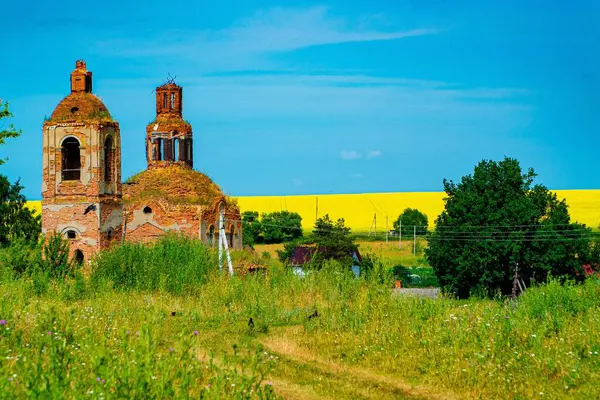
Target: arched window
x,y
78,256
71,162
71,234
147,210
108,160
164,100
172,101
230,236
211,235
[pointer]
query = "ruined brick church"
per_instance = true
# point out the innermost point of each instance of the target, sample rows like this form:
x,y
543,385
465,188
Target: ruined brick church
x,y
83,197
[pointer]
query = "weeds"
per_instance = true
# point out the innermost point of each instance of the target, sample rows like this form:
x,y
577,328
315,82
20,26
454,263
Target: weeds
x,y
169,330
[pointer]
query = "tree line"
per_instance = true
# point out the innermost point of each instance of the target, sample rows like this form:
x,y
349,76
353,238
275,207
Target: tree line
x,y
497,224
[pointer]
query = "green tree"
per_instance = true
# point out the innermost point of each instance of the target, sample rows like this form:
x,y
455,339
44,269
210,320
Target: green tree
x,y
281,226
497,219
16,220
6,131
333,240
251,228
411,218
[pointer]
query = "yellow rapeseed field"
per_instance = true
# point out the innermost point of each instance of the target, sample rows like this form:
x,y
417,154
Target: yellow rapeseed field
x,y
359,210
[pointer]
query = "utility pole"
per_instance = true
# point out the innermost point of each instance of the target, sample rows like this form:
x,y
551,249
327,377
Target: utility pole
x,y
375,222
415,240
386,229
400,235
515,281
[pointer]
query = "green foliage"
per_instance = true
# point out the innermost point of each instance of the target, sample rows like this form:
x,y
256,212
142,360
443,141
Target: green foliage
x,y
281,226
9,131
175,264
415,276
16,220
365,342
55,262
251,228
412,218
497,218
333,241
19,257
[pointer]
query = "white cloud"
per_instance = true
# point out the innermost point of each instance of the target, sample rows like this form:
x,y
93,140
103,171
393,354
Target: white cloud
x,y
373,153
249,41
349,155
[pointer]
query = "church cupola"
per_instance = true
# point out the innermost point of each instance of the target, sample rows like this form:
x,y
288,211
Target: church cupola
x,y
169,137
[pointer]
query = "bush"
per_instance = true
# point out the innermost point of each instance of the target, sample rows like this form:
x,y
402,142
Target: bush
x,y
19,257
175,264
251,228
415,276
55,262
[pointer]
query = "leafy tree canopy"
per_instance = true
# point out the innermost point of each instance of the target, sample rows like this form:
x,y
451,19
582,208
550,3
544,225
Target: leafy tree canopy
x,y
281,226
16,220
411,218
497,219
6,131
333,240
251,228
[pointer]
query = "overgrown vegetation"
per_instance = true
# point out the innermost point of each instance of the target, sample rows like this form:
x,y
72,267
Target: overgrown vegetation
x,y
136,340
16,220
496,221
275,227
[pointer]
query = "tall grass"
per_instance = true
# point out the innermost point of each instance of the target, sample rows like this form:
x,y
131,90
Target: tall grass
x,y
175,264
363,341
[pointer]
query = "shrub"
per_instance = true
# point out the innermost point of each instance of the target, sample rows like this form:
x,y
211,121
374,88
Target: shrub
x,y
175,264
55,262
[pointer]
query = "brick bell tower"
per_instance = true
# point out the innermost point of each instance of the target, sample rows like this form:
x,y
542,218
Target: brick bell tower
x,y
81,170
169,137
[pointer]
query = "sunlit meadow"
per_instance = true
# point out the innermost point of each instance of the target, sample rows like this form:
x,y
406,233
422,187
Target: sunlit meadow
x,y
161,321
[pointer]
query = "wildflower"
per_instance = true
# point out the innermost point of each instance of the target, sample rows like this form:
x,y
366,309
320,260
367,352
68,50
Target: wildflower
x,y
48,333
171,349
533,336
270,383
195,333
10,379
98,379
2,322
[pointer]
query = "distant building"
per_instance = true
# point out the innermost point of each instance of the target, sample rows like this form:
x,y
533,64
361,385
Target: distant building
x,y
302,255
82,194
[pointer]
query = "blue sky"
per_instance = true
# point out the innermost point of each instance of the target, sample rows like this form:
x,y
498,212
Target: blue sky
x,y
323,97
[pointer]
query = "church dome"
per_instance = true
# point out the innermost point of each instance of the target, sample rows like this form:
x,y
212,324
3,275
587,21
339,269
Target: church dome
x,y
174,185
81,105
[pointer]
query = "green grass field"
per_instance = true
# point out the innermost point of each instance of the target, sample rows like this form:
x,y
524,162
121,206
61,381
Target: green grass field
x,y
162,322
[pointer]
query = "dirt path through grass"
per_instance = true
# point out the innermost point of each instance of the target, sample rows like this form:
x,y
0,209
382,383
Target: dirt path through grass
x,y
316,377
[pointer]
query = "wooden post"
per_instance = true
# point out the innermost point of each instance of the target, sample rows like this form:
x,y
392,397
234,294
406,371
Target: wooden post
x,y
515,281
386,229
415,240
